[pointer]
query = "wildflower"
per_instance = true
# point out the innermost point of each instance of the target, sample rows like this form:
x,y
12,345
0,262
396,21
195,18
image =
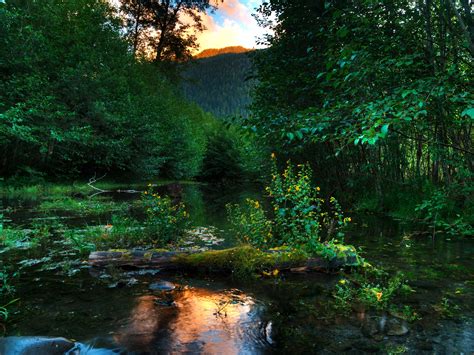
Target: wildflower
x,y
297,188
318,188
273,156
342,282
257,204
378,295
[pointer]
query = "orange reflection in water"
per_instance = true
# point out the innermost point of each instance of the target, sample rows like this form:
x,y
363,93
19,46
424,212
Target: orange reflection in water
x,y
199,321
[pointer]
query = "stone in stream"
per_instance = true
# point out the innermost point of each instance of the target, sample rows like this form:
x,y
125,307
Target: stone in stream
x,y
162,286
376,327
35,346
396,327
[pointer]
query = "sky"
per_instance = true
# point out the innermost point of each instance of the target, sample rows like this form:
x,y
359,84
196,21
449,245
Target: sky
x,y
231,24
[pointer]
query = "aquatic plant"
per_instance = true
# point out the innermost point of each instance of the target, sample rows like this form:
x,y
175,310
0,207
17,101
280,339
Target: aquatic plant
x,y
301,217
370,288
166,220
93,206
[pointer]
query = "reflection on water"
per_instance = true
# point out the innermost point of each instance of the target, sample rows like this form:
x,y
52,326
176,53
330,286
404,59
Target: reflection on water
x,y
197,320
202,320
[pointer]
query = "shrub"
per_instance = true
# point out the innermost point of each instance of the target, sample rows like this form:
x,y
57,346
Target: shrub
x,y
166,220
301,218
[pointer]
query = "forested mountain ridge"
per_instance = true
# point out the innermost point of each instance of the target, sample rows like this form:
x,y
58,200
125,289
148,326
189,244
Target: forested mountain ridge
x,y
211,52
220,84
92,107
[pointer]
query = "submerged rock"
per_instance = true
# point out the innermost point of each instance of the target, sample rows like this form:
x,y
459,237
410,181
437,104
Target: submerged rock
x,y
396,327
35,346
375,327
162,286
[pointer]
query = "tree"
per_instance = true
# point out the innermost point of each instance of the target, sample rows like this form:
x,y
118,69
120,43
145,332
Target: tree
x,y
164,30
381,88
73,100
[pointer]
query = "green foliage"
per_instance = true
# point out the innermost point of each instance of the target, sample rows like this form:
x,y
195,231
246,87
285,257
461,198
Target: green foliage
x,y
93,206
232,155
384,97
79,102
251,224
166,221
300,218
436,212
372,288
447,308
7,290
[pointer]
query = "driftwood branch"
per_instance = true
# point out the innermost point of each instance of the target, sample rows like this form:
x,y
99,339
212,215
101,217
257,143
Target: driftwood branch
x,y
93,180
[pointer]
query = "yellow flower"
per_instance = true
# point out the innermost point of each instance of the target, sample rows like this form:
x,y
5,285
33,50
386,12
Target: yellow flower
x,y
318,188
342,282
273,156
378,295
257,205
297,188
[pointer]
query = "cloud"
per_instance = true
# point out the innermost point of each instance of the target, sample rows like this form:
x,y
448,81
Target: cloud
x,y
235,10
232,24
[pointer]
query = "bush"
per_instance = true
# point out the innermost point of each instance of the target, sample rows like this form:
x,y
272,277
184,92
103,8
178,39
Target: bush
x,y
166,220
301,219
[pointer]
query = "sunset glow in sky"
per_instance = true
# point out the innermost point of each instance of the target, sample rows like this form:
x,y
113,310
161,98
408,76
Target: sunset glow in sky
x,y
231,24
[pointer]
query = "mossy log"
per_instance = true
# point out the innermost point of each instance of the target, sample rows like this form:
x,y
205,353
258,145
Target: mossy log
x,y
242,260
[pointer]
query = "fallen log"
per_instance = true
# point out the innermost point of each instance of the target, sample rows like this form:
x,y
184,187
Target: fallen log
x,y
243,259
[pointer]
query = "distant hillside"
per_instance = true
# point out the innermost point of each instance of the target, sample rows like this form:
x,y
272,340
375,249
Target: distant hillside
x,y
219,83
211,52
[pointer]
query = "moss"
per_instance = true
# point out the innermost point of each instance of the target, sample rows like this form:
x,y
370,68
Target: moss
x,y
348,255
244,261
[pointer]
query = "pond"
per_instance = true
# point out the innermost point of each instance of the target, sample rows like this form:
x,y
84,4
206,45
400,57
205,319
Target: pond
x,y
140,311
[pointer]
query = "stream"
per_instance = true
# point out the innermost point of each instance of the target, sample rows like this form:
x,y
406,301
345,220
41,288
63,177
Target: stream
x,y
150,312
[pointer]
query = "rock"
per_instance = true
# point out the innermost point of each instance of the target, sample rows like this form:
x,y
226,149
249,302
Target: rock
x,y
396,327
34,346
162,286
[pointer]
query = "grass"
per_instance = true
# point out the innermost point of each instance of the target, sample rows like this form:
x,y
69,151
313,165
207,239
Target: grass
x,y
82,206
36,191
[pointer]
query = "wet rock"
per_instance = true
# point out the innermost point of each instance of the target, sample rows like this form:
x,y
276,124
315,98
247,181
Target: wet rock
x,y
34,346
376,327
396,327
162,286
